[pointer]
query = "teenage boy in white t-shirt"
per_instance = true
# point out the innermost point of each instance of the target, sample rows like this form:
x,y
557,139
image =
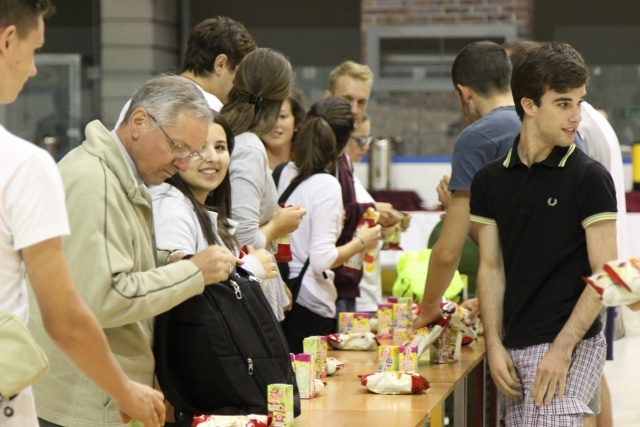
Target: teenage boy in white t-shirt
x,y
32,219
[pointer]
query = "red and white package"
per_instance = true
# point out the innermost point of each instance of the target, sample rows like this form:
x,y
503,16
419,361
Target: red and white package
x,y
333,365
251,420
460,321
424,337
397,382
365,341
611,294
625,273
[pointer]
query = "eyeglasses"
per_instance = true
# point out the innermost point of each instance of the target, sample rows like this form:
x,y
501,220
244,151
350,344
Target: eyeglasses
x,y
363,141
179,152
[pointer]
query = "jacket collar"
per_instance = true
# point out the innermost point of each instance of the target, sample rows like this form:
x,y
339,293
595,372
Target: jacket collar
x,y
100,143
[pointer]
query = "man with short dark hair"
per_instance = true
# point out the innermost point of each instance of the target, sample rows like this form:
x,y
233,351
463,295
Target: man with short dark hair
x,y
481,74
545,217
32,220
214,50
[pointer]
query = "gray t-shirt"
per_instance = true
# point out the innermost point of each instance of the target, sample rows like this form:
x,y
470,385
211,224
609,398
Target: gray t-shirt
x,y
481,142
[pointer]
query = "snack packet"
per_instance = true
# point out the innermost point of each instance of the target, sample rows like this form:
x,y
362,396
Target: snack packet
x,y
394,383
388,356
280,404
460,321
424,337
385,320
408,358
333,365
366,341
446,348
370,217
251,420
361,323
625,273
305,375
610,293
401,321
345,322
318,386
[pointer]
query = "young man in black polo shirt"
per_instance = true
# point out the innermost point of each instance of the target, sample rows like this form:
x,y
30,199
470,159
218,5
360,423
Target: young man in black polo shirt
x,y
545,217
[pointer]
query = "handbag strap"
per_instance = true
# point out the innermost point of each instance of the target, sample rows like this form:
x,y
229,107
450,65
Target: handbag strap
x,y
297,284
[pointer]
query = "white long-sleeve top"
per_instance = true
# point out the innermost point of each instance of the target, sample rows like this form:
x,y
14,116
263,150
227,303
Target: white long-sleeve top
x,y
177,226
315,238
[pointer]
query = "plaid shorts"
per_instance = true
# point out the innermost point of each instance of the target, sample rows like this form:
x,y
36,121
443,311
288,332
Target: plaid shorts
x,y
582,380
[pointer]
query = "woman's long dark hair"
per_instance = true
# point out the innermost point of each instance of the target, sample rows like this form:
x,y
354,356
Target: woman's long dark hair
x,y
218,200
322,136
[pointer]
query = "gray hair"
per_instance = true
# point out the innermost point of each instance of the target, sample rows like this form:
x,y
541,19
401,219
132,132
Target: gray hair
x,y
166,96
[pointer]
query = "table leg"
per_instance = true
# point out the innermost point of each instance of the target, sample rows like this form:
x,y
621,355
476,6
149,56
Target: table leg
x,y
460,404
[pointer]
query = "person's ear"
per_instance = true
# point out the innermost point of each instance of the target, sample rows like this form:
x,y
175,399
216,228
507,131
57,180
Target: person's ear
x,y
137,121
528,106
326,94
220,63
465,93
7,35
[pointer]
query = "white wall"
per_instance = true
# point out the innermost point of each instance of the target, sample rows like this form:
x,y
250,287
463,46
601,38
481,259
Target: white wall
x,y
423,178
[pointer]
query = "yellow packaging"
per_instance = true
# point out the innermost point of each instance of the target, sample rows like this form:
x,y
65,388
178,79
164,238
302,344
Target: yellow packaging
x,y
388,358
305,377
361,323
345,323
401,321
385,320
280,404
313,345
408,358
321,358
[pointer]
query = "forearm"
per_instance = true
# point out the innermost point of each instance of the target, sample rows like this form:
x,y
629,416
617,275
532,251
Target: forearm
x,y
491,287
268,232
442,267
581,319
348,250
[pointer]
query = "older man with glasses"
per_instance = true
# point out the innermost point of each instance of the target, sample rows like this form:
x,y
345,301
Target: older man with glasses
x,y
121,275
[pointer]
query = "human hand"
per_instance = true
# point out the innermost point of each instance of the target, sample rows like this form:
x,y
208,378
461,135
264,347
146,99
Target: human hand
x,y
267,261
474,309
287,220
427,316
143,404
216,263
369,235
551,375
503,371
289,297
444,195
388,215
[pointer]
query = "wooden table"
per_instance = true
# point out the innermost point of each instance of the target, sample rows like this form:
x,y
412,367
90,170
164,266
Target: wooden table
x,y
345,402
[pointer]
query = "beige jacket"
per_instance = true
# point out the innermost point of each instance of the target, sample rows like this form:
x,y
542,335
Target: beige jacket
x,y
118,272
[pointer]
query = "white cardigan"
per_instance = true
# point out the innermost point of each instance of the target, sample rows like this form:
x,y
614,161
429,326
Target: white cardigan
x,y
315,238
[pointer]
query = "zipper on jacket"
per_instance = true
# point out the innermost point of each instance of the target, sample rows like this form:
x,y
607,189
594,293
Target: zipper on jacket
x,y
254,279
236,288
250,363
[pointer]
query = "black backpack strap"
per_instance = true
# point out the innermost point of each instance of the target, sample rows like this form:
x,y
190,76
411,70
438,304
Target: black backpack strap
x,y
277,172
296,283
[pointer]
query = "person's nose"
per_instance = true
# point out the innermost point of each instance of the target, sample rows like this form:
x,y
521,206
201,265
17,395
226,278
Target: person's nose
x,y
210,155
182,164
354,107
